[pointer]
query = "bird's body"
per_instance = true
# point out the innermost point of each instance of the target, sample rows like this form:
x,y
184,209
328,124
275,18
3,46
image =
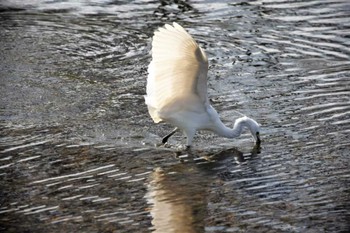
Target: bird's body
x,y
177,87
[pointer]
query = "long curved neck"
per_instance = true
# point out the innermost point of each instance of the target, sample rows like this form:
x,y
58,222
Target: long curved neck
x,y
224,131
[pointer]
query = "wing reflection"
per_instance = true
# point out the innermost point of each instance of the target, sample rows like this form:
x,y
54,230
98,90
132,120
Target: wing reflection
x,y
179,194
178,198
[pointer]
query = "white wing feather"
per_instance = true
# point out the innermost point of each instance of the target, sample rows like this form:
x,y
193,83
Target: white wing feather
x,y
177,72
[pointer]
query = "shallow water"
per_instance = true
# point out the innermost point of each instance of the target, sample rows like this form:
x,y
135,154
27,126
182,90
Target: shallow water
x,y
77,147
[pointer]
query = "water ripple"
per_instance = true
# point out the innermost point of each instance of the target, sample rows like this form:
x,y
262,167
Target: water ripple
x,y
77,147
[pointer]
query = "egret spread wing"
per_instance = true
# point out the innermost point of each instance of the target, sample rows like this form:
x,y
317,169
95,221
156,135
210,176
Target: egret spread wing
x,y
178,70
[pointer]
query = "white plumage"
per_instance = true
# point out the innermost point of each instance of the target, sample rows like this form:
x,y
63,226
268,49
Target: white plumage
x,y
177,87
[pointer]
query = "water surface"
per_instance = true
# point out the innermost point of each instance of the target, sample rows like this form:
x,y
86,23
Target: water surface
x,y
78,150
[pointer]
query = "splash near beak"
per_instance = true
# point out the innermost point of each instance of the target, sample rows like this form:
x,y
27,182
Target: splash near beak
x,y
258,141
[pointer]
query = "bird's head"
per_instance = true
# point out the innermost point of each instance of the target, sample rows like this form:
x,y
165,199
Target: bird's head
x,y
254,128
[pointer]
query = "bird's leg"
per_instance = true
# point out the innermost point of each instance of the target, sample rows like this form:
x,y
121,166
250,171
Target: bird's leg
x,y
165,139
258,141
189,134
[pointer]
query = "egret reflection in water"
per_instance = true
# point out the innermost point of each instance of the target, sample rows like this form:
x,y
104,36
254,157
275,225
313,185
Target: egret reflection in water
x,y
179,195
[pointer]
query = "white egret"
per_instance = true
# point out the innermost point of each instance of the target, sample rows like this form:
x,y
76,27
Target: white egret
x,y
177,87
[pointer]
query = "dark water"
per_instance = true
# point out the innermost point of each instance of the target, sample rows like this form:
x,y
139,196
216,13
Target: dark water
x,y
77,147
